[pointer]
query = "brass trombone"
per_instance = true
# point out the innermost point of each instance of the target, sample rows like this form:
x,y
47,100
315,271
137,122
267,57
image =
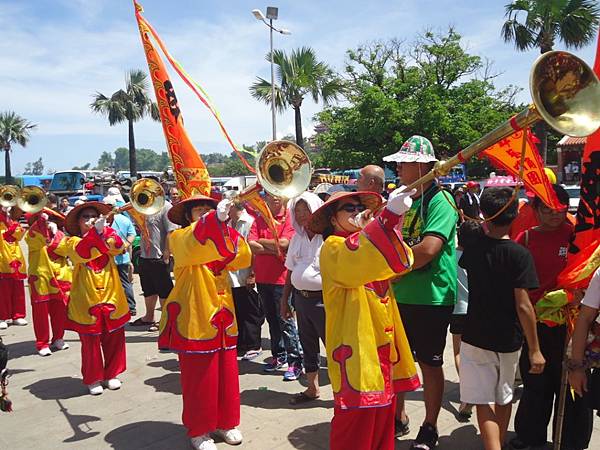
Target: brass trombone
x,y
30,199
566,94
147,198
283,169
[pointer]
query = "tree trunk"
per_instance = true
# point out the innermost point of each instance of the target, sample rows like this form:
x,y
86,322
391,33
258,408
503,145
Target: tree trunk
x,y
298,120
132,159
7,172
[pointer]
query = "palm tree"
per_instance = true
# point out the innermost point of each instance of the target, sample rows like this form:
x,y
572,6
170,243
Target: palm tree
x,y
14,129
540,23
129,105
298,75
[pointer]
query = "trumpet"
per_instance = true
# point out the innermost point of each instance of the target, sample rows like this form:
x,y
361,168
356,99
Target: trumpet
x,y
30,199
565,93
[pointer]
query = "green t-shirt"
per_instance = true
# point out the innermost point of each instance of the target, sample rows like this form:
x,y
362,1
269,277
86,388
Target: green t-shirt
x,y
435,283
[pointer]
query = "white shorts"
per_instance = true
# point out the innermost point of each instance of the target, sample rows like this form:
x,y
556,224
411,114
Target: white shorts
x,y
486,377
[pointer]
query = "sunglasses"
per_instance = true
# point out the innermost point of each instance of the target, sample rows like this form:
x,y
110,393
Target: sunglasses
x,y
88,216
351,207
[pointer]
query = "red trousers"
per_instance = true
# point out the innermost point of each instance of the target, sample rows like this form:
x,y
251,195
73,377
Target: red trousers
x,y
57,311
211,391
102,355
363,428
12,299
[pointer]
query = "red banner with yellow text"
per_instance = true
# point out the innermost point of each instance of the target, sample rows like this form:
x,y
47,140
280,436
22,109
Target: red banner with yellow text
x,y
506,155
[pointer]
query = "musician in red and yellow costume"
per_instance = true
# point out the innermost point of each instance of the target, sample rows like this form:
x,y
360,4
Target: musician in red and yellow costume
x,y
367,349
12,269
198,320
49,279
97,308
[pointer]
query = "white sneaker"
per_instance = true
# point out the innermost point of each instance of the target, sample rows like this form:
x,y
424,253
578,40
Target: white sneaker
x,y
232,436
95,388
45,351
113,384
60,344
3,325
19,322
203,442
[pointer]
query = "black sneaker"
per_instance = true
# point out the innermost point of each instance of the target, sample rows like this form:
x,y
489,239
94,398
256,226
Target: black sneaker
x,y
427,438
401,428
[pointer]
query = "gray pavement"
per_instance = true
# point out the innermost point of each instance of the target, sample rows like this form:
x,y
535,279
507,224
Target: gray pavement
x,y
53,409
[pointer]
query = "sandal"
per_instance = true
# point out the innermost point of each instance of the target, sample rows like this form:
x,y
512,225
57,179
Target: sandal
x,y
251,355
401,428
301,398
153,327
140,323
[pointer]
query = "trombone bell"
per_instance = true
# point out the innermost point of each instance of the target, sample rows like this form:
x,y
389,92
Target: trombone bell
x,y
8,196
283,169
566,93
147,196
31,199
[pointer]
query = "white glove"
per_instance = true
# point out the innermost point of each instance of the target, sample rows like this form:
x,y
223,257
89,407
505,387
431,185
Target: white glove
x,y
399,200
6,209
44,217
53,228
362,219
99,224
223,210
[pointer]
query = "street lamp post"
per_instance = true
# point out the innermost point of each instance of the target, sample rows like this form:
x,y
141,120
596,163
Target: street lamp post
x,y
272,14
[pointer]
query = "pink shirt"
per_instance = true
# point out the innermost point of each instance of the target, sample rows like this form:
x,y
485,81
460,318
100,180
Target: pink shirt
x,y
270,269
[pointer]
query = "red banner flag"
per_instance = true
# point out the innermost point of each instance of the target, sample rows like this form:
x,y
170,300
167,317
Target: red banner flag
x,y
190,171
588,213
506,155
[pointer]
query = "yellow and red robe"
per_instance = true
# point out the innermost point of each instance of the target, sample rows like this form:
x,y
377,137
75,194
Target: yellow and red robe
x,y
12,262
199,314
95,281
368,355
50,274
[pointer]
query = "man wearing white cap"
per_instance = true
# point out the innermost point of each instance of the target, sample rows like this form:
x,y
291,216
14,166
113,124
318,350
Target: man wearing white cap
x,y
426,295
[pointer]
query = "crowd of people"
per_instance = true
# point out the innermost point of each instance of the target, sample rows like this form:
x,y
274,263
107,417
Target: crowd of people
x,y
378,283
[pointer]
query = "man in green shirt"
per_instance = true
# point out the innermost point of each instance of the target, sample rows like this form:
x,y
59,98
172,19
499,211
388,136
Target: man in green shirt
x,y
426,295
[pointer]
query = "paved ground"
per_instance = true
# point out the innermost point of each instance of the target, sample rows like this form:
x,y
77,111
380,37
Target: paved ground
x,y
53,409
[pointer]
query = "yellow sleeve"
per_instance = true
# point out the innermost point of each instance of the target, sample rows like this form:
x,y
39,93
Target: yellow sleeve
x,y
79,250
356,260
243,258
35,241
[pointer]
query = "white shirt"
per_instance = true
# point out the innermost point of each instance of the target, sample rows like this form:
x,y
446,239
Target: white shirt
x,y
303,260
242,226
592,294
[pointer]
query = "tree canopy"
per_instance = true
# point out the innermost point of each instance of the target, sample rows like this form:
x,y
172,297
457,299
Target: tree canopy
x,y
432,87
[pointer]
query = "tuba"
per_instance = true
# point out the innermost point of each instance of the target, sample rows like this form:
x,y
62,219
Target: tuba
x,y
282,169
566,95
30,199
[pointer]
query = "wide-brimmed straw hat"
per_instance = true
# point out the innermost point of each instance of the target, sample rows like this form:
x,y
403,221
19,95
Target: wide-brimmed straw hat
x,y
321,218
71,221
177,213
415,149
53,216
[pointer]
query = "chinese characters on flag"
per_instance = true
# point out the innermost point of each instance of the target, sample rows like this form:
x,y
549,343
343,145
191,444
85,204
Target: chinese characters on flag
x,y
506,155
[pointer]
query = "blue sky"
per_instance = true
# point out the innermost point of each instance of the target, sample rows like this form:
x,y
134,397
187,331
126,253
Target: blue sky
x,y
57,53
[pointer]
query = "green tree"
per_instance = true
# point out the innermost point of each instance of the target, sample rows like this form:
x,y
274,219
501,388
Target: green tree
x,y
298,75
14,129
86,166
37,167
433,87
129,105
540,23
106,161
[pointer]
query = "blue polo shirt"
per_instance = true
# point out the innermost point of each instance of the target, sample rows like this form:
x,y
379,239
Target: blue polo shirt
x,y
124,228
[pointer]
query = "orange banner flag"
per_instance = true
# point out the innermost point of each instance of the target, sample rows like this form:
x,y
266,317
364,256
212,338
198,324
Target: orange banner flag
x,y
506,155
190,171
